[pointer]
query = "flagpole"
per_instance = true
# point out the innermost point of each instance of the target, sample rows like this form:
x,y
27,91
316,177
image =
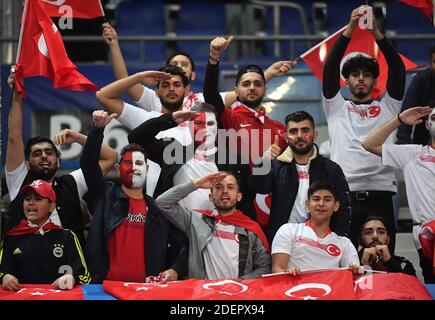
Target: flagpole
x,y
318,270
319,44
102,9
23,21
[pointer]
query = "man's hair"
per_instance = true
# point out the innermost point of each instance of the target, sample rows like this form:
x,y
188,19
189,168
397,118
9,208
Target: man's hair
x,y
181,53
175,71
205,107
360,62
299,116
374,217
249,68
39,139
432,51
132,147
231,173
322,185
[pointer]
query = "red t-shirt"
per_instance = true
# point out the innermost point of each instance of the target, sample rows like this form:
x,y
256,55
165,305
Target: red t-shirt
x,y
260,135
126,245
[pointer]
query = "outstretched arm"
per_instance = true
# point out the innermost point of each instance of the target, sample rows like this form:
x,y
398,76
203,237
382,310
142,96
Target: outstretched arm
x,y
15,146
109,95
107,156
118,64
211,82
331,69
373,142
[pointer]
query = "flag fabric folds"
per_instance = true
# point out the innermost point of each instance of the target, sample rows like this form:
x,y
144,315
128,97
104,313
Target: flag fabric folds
x,y
362,42
424,5
41,292
41,53
85,9
427,241
315,285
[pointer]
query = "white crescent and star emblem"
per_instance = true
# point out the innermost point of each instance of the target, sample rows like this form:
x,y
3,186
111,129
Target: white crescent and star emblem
x,y
144,286
42,45
243,287
55,2
327,290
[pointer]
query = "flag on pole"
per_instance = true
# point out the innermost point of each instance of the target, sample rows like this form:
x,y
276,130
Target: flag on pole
x,y
424,5
362,42
41,53
85,9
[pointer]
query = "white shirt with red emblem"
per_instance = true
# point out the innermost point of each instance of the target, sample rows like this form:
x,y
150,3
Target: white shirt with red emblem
x,y
308,251
418,165
221,254
150,102
299,212
348,125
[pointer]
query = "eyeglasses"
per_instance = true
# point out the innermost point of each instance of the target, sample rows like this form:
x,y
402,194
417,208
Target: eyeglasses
x,y
182,65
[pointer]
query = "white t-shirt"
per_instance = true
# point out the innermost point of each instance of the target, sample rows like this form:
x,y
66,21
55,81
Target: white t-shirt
x,y
307,251
150,102
299,213
221,254
192,169
418,165
348,125
132,117
15,179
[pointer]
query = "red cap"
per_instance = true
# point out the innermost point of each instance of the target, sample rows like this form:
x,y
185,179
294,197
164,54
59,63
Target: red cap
x,y
42,188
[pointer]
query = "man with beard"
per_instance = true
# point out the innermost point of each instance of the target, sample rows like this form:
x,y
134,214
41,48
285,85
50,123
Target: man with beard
x,y
171,88
180,163
375,253
223,242
254,129
146,97
418,165
420,92
293,171
372,185
129,238
40,159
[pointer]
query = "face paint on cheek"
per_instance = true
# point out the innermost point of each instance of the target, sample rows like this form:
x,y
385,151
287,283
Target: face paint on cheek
x,y
140,171
126,170
431,124
199,128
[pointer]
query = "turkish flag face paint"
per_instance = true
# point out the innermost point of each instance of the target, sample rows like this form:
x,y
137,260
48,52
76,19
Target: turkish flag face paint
x,y
204,130
431,123
133,169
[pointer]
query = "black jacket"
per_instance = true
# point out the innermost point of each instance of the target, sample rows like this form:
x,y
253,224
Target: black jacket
x,y
67,205
144,135
38,258
165,246
395,264
283,182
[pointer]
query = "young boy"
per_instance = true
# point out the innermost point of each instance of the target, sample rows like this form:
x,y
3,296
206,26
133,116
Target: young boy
x,y
312,245
38,251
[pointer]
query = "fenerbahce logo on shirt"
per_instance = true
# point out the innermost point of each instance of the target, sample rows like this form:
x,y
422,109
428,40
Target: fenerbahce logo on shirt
x,y
58,250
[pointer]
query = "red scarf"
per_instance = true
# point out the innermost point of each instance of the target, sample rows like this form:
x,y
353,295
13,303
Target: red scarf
x,y
24,228
237,218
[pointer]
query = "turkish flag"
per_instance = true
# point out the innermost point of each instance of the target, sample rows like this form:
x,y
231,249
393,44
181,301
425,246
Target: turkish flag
x,y
262,204
427,238
390,286
85,9
41,53
324,285
424,5
41,292
363,42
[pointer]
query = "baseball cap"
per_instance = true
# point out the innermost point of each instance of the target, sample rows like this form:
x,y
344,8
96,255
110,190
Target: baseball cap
x,y
249,68
42,188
